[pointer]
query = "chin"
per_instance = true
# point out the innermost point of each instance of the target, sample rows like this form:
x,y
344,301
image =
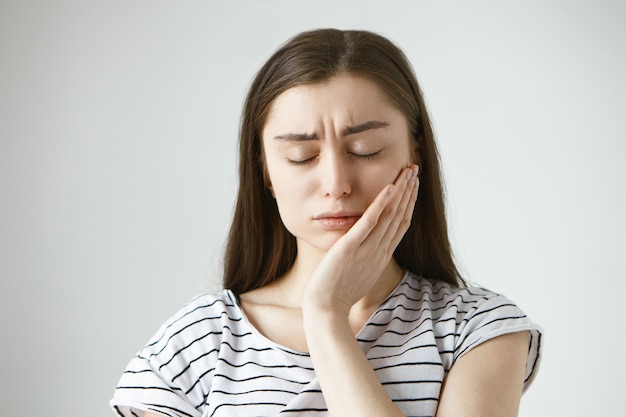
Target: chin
x,y
324,243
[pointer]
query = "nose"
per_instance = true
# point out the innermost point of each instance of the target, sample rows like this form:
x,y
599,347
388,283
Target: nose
x,y
335,176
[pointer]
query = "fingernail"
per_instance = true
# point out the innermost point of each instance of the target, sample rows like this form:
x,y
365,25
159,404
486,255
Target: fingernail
x,y
409,174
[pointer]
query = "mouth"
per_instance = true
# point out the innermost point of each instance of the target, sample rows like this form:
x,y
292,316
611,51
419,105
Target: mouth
x,y
337,221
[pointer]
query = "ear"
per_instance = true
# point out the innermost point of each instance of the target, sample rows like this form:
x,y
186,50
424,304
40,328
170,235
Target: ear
x,y
418,146
266,180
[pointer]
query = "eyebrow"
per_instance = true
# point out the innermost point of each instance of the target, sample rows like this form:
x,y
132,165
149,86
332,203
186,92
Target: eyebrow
x,y
350,130
297,136
372,124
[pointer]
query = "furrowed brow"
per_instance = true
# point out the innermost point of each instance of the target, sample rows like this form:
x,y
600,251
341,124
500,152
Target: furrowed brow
x,y
297,137
350,130
372,124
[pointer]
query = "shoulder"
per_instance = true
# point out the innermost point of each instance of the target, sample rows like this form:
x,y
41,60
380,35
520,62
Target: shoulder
x,y
206,316
460,304
466,317
459,312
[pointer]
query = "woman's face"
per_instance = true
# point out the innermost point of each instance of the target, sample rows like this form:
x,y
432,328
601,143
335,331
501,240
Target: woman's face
x,y
330,148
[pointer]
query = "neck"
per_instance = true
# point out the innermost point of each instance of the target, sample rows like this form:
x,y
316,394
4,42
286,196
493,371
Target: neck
x,y
291,285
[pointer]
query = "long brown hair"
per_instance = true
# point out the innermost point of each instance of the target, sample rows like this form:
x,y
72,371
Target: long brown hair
x,y
259,248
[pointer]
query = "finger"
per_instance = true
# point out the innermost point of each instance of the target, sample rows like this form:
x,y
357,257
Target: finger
x,y
405,222
395,203
372,224
368,221
398,217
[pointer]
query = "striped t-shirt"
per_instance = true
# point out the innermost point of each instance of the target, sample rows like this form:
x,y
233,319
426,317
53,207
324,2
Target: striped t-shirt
x,y
209,361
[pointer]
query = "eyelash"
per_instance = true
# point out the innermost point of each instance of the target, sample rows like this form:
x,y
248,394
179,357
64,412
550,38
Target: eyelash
x,y
299,163
369,157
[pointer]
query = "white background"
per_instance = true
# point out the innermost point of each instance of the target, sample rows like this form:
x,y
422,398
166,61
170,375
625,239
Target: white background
x,y
118,122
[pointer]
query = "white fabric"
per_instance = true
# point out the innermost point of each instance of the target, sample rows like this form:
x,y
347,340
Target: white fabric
x,y
208,360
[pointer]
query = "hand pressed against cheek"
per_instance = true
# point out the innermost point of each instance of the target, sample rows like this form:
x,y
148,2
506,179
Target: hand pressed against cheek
x,y
354,264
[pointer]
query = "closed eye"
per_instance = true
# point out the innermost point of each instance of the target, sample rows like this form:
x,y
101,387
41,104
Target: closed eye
x,y
300,162
367,156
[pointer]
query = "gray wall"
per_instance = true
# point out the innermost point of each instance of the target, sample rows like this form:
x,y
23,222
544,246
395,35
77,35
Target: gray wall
x,y
118,122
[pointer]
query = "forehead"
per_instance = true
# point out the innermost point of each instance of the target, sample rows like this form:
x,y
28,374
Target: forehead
x,y
345,99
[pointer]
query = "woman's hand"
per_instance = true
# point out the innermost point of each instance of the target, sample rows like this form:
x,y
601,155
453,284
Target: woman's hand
x,y
355,262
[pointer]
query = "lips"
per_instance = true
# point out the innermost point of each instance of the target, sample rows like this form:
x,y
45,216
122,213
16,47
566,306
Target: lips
x,y
337,220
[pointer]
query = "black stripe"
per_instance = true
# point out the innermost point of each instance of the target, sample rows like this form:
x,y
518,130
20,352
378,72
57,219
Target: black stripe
x,y
261,377
304,410
225,343
467,319
400,400
119,413
412,382
160,412
280,366
532,371
426,346
245,404
159,408
166,389
254,391
409,364
380,345
138,372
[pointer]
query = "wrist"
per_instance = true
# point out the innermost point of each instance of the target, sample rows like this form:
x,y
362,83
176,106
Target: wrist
x,y
318,318
316,307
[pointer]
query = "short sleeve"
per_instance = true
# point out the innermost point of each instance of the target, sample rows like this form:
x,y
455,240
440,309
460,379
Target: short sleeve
x,y
172,374
495,315
143,388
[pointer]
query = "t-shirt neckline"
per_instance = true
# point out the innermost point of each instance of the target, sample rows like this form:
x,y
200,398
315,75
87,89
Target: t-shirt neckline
x,y
270,343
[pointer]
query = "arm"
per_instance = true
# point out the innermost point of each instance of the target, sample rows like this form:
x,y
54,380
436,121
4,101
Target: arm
x,y
488,380
348,272
348,382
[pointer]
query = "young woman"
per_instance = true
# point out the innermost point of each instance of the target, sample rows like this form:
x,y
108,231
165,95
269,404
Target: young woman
x,y
342,297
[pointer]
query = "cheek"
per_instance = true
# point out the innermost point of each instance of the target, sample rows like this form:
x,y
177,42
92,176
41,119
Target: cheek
x,y
288,196
373,185
377,179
